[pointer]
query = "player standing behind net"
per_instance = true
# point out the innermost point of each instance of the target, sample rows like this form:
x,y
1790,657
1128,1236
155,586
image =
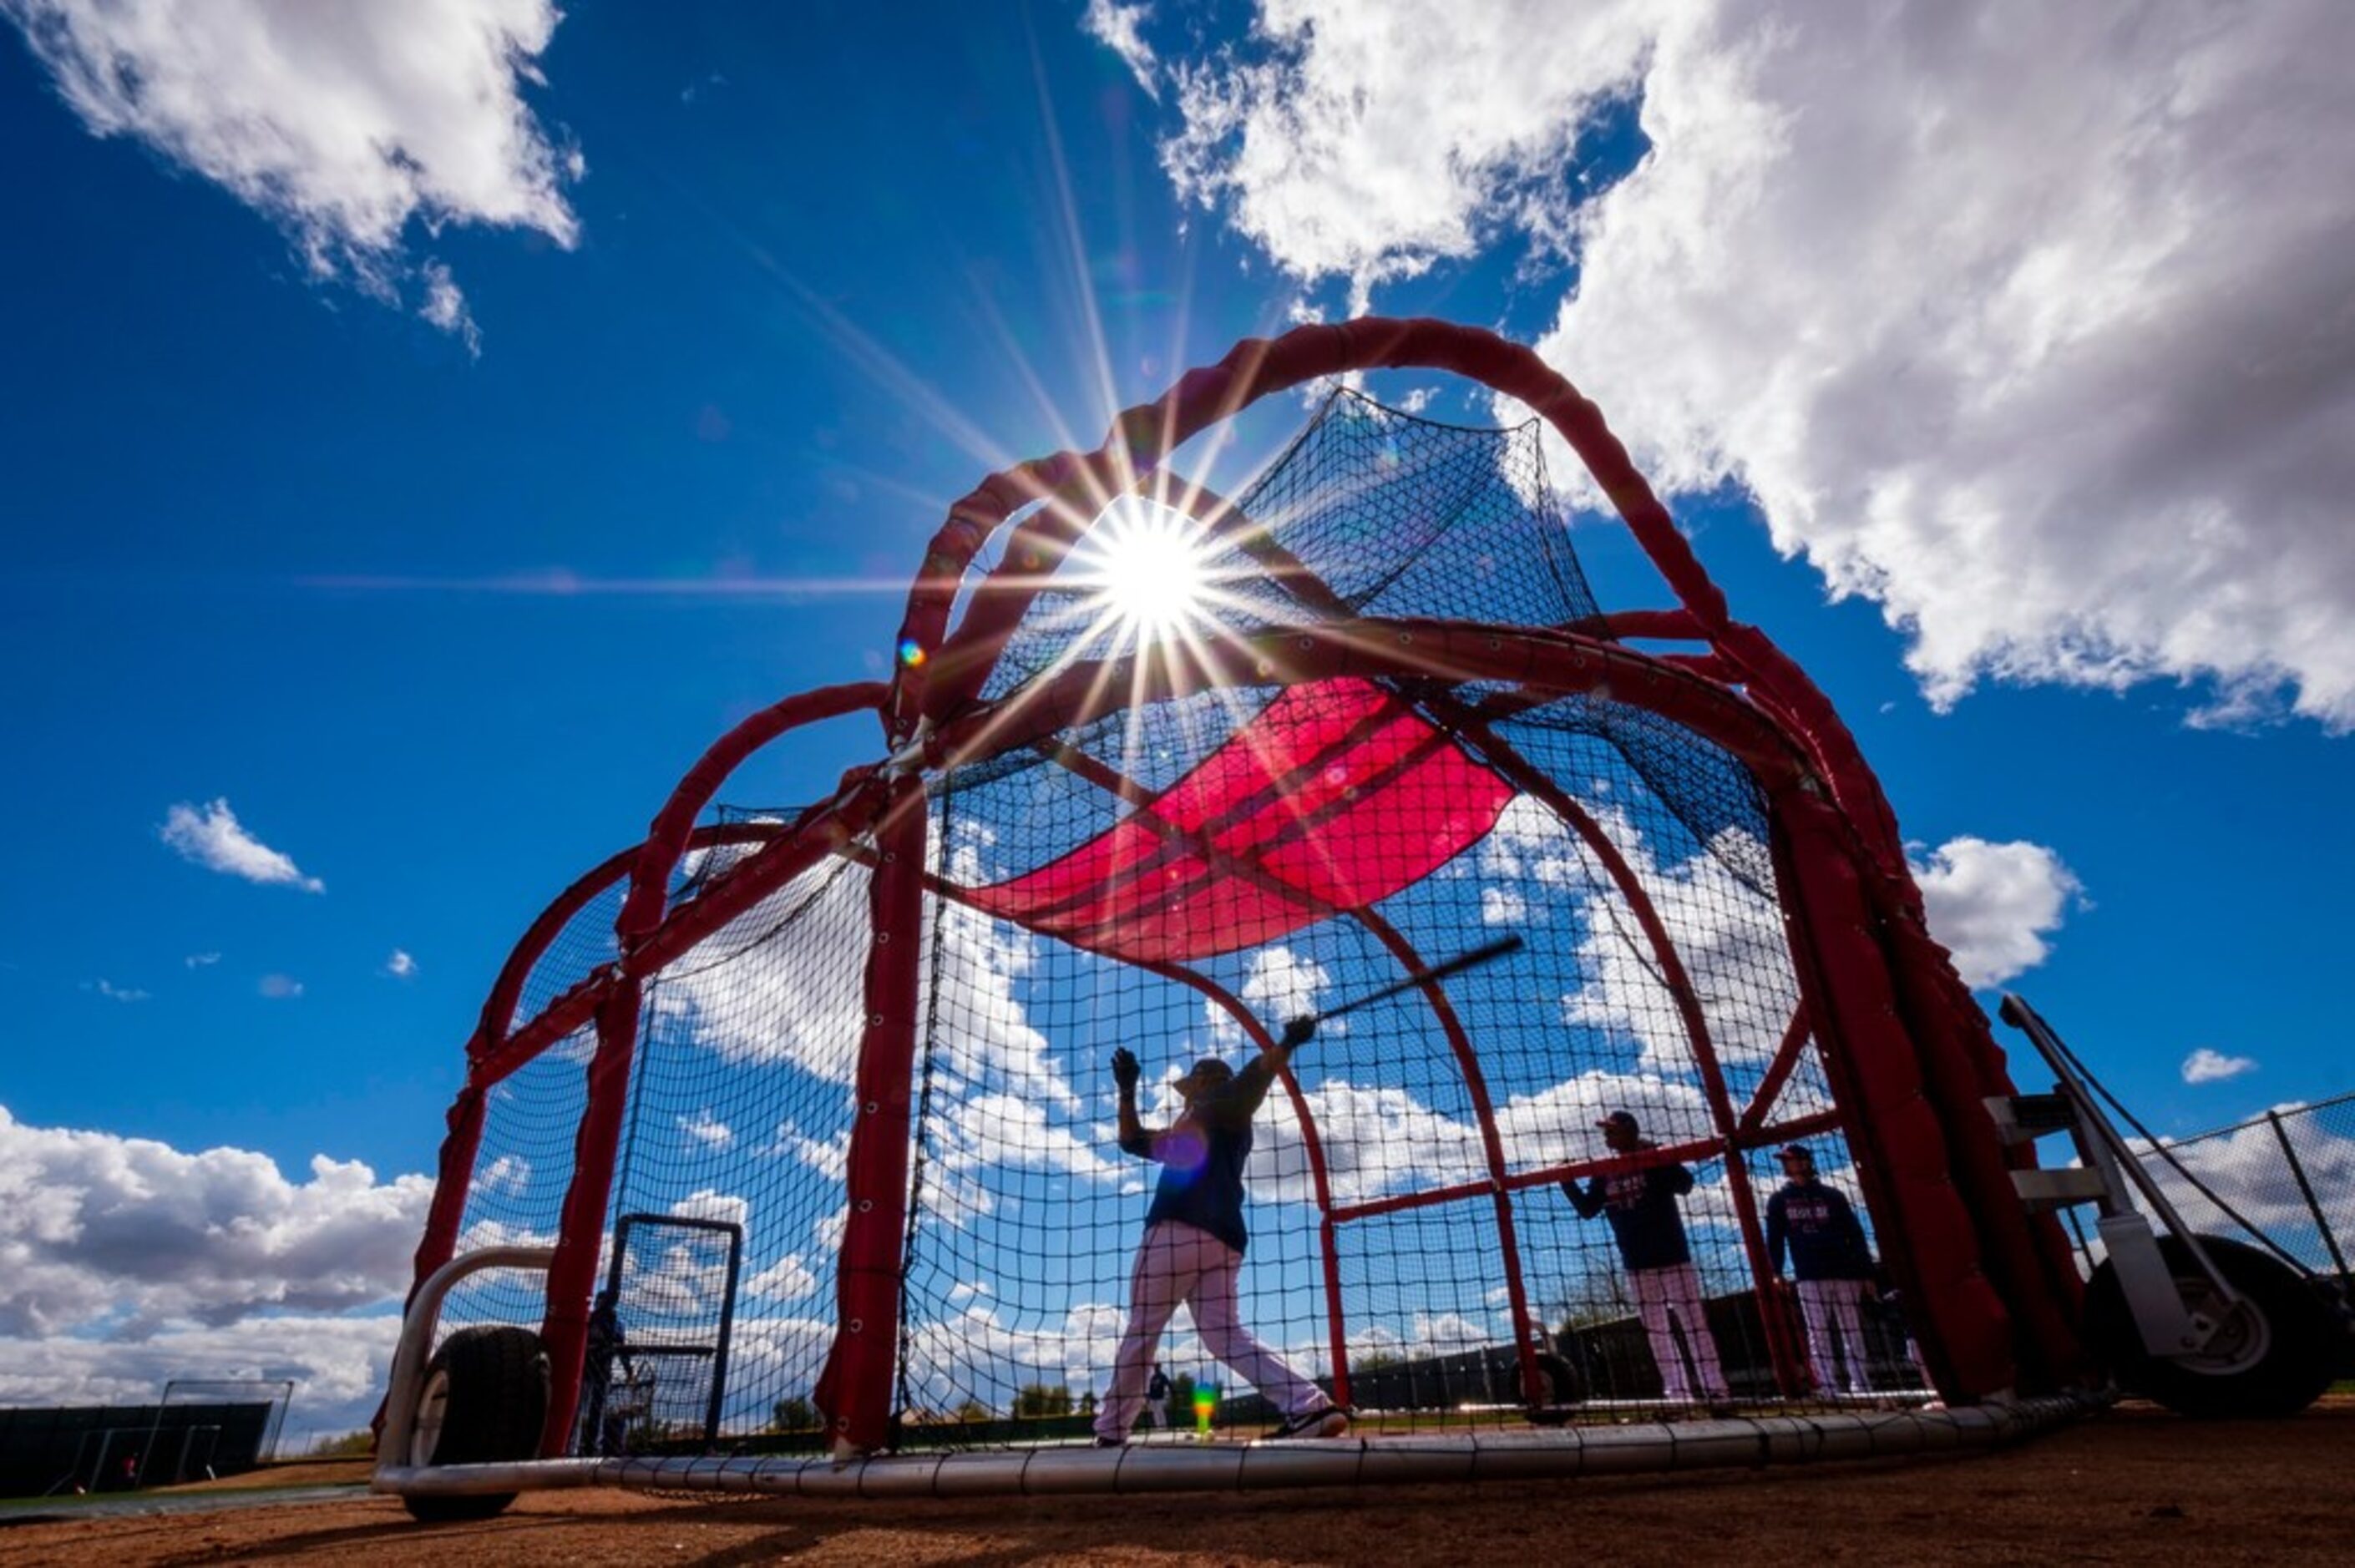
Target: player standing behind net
x,y
1832,1261
1642,1208
1194,1241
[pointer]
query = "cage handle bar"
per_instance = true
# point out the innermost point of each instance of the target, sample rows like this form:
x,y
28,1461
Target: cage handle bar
x,y
416,1326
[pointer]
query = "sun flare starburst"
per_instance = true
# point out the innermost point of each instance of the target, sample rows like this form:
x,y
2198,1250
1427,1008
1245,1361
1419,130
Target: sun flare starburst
x,y
1144,568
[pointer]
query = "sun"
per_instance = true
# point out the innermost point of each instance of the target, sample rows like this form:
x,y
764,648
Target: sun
x,y
1144,568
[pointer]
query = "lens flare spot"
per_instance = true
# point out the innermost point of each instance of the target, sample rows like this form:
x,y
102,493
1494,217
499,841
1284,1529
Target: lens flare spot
x,y
1184,1150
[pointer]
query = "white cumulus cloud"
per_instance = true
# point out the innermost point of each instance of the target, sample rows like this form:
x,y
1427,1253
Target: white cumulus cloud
x,y
337,1363
2027,323
787,1279
211,836
124,1261
707,1129
800,999
1503,906
1728,934
445,307
1281,985
2207,1066
1118,28
343,123
1994,905
1370,140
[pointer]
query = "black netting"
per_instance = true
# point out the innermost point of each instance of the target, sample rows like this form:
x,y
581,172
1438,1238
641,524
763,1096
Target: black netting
x,y
2286,1179
1409,1230
520,1175
1397,515
1405,516
739,1114
1028,1216
530,1121
531,1116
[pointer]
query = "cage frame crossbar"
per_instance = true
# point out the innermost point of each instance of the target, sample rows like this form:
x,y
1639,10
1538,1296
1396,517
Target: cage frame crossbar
x,y
1908,1056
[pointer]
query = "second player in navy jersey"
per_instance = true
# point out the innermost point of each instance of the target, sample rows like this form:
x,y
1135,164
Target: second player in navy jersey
x,y
1832,1263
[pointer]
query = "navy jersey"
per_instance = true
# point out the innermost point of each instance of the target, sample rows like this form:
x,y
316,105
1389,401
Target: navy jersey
x,y
1202,1158
1821,1230
1642,1208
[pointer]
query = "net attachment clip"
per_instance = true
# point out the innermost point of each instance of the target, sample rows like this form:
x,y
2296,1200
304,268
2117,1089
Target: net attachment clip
x,y
914,755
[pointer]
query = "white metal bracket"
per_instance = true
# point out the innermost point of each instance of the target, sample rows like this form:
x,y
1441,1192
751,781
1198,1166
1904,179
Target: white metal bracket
x,y
2110,1175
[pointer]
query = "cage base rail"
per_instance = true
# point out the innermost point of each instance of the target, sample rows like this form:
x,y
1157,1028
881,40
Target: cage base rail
x,y
1557,1454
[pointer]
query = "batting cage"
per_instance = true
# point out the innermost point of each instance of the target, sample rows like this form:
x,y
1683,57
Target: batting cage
x,y
820,1116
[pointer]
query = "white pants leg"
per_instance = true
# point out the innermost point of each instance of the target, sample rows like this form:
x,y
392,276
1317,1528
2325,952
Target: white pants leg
x,y
1178,1262
1219,1316
1671,1295
1830,1308
1156,1285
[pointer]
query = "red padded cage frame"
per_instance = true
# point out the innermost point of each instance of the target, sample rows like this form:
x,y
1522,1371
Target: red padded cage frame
x,y
1907,1050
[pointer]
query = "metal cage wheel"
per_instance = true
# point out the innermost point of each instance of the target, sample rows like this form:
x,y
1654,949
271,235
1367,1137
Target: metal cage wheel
x,y
482,1399
2271,1354
433,1409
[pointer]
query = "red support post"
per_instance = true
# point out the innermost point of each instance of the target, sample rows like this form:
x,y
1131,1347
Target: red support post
x,y
855,1390
453,1178
1903,1161
580,1233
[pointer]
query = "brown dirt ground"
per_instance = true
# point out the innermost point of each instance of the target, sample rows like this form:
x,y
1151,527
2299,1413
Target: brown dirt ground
x,y
2136,1485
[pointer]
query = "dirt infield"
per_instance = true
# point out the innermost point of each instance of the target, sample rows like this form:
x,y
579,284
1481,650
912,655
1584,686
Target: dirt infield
x,y
2136,1485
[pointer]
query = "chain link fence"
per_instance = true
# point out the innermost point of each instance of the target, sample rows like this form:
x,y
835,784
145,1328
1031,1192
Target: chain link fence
x,y
2284,1180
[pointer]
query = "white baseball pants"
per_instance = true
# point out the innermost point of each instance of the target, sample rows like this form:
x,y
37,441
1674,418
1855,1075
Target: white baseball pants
x,y
1830,1308
1177,1263
1670,1296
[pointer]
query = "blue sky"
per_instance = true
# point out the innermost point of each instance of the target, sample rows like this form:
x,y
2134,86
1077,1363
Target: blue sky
x,y
434,516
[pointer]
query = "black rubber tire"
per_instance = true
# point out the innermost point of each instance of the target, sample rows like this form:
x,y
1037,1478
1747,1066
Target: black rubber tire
x,y
491,1381
1563,1383
2273,1359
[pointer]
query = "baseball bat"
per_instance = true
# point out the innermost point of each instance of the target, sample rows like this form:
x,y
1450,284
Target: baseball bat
x,y
1455,966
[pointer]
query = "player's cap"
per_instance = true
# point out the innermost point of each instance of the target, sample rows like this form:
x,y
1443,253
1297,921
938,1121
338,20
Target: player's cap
x,y
1795,1151
1206,1074
1619,1118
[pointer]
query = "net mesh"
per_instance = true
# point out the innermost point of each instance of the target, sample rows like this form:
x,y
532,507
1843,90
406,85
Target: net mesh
x,y
1410,1245
2284,1180
1392,514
